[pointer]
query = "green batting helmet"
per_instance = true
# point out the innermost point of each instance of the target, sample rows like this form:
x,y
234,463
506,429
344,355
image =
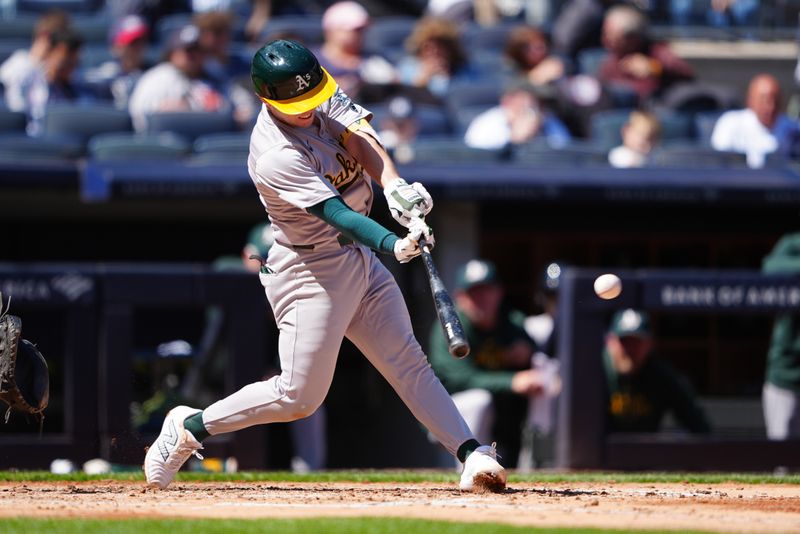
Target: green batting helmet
x,y
289,77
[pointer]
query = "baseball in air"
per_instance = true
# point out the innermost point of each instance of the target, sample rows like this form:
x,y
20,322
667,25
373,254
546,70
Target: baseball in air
x,y
608,286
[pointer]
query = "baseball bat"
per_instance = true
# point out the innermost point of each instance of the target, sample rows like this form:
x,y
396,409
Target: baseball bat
x,y
445,309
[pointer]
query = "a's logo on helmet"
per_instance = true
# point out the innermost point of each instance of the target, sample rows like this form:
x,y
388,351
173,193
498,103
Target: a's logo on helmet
x,y
302,82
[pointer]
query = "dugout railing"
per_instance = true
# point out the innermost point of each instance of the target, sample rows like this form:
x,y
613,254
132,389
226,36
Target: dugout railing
x,y
581,439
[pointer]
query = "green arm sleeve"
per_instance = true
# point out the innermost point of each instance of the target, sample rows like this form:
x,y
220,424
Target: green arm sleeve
x,y
785,257
354,225
459,375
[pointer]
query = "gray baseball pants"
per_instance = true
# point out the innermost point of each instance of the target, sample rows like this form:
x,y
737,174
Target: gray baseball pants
x,y
318,297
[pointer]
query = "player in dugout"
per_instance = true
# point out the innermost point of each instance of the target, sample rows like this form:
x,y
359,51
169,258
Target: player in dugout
x,y
642,388
313,155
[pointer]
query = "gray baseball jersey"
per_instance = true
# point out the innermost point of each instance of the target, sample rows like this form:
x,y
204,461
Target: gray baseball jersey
x,y
321,291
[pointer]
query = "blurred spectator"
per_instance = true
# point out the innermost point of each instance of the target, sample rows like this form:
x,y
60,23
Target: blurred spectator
x,y
642,388
342,54
399,129
178,83
719,13
216,28
202,384
518,119
436,58
578,26
150,10
22,63
51,81
496,377
259,16
634,62
229,72
781,393
639,135
529,51
759,129
542,327
119,76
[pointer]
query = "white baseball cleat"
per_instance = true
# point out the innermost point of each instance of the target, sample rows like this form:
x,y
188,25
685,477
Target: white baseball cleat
x,y
171,448
482,472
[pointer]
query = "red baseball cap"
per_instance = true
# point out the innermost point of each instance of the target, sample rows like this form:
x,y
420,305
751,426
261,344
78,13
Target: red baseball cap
x,y
129,29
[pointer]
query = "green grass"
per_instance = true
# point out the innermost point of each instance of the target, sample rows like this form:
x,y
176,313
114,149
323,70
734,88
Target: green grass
x,y
282,526
404,476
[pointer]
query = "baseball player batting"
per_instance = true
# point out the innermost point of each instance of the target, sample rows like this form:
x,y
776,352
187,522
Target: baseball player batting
x,y
312,156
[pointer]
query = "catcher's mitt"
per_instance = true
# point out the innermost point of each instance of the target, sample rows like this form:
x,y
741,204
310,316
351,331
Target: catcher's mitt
x,y
24,381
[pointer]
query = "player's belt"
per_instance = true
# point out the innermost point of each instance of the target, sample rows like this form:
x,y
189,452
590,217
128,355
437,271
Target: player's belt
x,y
341,240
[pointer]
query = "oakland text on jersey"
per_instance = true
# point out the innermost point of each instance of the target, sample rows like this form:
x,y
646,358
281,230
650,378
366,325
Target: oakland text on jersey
x,y
351,172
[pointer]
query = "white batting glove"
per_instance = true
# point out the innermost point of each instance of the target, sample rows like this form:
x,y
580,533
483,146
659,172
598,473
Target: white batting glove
x,y
408,248
407,202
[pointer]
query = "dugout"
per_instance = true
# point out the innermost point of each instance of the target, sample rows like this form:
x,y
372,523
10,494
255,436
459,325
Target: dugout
x,y
582,441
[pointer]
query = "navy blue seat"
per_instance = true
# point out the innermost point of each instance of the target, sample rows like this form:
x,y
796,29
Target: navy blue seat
x,y
224,146
190,124
93,28
539,153
486,93
18,28
23,147
696,156
704,126
83,121
12,121
449,151
137,147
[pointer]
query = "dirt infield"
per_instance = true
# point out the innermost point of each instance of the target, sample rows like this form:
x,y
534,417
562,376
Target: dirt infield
x,y
713,507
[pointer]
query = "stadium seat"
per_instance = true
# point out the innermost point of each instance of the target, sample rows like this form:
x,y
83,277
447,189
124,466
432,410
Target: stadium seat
x,y
306,28
474,94
12,121
539,153
696,157
19,27
224,146
190,124
388,34
131,146
84,121
447,151
606,126
95,54
704,126
93,28
22,147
